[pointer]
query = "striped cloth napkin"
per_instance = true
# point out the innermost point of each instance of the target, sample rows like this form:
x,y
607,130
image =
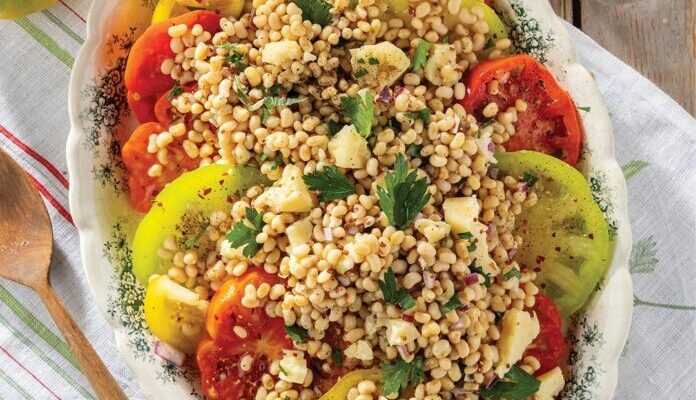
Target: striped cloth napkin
x,y
656,144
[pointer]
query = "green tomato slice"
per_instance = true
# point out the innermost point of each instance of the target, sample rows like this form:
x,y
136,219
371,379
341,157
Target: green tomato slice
x,y
182,209
566,238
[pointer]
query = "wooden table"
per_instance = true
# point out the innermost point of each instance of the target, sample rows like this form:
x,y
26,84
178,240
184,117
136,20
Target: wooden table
x,y
656,37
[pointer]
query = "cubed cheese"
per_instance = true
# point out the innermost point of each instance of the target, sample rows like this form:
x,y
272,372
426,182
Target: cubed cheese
x,y
349,149
462,215
378,65
293,367
288,194
344,264
226,250
485,143
550,385
519,330
299,232
360,350
441,55
434,231
278,53
400,332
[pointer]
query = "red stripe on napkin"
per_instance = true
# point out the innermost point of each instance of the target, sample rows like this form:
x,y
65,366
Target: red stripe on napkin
x,y
29,372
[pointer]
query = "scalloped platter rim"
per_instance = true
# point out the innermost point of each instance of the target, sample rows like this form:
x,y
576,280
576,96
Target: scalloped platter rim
x,y
99,118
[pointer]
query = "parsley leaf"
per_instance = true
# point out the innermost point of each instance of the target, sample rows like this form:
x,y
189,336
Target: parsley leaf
x,y
330,182
243,236
529,179
315,11
413,150
337,357
372,61
194,240
513,273
281,101
277,90
242,92
296,333
452,304
276,162
238,59
421,55
393,294
264,115
361,111
471,247
516,385
405,196
489,43
465,235
423,114
585,109
478,270
486,123
359,73
397,376
176,91
282,369
333,127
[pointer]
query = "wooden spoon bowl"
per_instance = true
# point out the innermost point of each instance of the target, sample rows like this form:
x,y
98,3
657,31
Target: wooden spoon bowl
x,y
26,244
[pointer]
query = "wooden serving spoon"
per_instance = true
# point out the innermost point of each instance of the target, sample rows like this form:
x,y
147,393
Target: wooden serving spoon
x,y
26,243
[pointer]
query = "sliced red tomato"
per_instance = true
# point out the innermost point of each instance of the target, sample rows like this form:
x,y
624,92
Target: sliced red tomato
x,y
164,112
144,188
549,125
143,77
549,345
220,353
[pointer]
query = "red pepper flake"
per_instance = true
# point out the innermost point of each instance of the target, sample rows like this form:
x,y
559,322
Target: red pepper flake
x,y
540,259
407,317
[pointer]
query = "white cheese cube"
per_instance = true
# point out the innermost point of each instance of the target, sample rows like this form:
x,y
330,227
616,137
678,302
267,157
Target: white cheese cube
x,y
288,194
519,330
279,53
400,332
349,149
550,385
378,65
360,350
293,367
441,55
299,232
462,215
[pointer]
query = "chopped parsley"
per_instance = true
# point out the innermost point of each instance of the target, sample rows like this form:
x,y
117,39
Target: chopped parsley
x,y
315,11
487,279
465,235
330,182
281,101
404,196
192,8
423,114
296,333
242,235
585,109
277,90
176,91
515,385
394,123
489,43
446,39
372,61
264,157
242,92
529,179
452,304
282,369
276,162
421,55
413,150
264,115
333,127
471,247
513,273
360,73
361,61
237,59
361,111
194,240
486,123
397,376
393,294
337,356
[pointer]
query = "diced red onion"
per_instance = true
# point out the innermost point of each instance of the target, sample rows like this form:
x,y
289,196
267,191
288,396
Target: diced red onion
x,y
407,317
512,252
458,391
398,91
343,280
471,279
464,308
522,187
328,234
352,230
491,147
170,354
458,325
428,279
404,350
492,382
493,172
385,96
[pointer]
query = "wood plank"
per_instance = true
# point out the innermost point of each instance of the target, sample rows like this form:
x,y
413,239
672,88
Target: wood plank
x,y
564,9
654,36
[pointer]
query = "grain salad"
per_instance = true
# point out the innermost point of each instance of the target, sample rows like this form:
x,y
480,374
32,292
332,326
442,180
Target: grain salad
x,y
375,255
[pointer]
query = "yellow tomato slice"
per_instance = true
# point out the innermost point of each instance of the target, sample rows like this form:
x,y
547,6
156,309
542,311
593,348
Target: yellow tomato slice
x,y
167,9
339,391
565,236
13,9
174,313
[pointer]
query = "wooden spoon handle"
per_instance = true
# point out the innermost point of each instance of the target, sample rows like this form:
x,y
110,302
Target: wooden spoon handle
x,y
99,377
